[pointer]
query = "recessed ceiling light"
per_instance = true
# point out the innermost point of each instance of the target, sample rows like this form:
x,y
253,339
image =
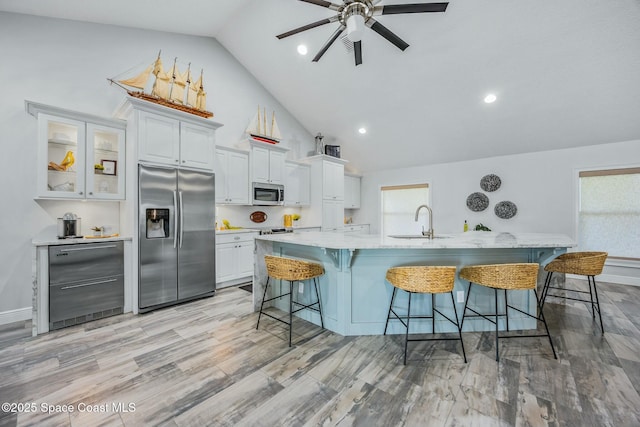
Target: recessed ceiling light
x,y
362,131
491,98
302,49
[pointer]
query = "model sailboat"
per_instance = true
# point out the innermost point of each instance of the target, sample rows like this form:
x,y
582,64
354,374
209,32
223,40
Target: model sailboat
x,y
170,88
264,130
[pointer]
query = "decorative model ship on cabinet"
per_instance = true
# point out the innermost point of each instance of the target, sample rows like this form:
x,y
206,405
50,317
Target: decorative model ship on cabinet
x,y
263,130
170,88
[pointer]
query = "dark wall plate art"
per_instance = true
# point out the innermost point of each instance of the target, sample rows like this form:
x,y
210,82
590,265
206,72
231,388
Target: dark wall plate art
x,y
506,209
490,182
477,202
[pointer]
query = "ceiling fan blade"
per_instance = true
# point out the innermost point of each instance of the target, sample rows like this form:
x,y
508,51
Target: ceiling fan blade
x,y
328,44
387,34
308,27
323,3
357,50
394,9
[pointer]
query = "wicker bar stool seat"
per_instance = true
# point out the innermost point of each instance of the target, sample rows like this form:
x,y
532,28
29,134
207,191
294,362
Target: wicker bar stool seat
x,y
291,270
588,264
506,277
423,280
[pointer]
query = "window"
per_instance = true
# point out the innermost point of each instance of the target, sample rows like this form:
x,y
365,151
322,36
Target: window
x,y
609,213
399,204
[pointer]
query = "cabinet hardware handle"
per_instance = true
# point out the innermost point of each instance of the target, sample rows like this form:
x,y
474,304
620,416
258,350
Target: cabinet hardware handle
x,y
88,284
88,248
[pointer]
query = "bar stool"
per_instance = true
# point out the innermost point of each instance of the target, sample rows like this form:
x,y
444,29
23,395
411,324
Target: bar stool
x,y
588,264
423,280
291,270
508,277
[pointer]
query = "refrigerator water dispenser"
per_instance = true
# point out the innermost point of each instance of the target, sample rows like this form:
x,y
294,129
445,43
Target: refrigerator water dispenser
x,y
157,223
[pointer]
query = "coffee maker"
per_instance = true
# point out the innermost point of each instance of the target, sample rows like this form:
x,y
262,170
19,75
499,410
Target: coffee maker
x,y
69,226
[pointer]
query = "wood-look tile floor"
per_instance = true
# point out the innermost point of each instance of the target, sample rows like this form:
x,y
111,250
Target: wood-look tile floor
x,y
205,364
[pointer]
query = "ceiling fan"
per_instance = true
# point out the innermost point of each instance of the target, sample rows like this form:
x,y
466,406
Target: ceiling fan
x,y
354,15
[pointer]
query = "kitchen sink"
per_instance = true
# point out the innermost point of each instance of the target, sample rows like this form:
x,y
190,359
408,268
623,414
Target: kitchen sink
x,y
416,236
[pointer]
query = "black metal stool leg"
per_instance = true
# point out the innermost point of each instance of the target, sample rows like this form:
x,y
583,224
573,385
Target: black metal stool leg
x,y
406,335
264,295
595,291
433,315
464,310
495,291
290,310
393,297
544,322
506,308
455,313
315,284
593,307
545,289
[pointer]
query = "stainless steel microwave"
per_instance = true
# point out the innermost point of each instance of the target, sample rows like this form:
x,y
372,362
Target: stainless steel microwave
x,y
267,194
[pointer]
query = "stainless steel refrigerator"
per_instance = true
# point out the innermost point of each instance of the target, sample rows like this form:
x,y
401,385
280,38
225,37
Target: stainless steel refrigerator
x,y
176,235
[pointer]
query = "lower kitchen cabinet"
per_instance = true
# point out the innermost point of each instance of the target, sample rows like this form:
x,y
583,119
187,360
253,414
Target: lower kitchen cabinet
x,y
234,258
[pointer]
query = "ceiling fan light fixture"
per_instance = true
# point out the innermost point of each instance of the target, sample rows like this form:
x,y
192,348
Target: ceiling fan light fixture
x,y
355,27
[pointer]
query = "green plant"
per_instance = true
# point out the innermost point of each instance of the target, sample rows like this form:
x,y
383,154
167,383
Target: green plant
x,y
481,227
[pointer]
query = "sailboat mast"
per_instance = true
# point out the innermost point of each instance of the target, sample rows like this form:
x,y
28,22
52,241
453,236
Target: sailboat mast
x,y
173,76
273,122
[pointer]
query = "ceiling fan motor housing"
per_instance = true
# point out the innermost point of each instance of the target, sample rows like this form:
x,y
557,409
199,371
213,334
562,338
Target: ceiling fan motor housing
x,y
353,16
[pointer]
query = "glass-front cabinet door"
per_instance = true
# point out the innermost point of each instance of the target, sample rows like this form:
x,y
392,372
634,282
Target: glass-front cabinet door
x,y
105,162
79,156
62,157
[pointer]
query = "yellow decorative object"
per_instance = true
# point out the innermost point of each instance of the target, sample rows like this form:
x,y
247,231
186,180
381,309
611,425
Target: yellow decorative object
x,y
68,160
295,217
287,221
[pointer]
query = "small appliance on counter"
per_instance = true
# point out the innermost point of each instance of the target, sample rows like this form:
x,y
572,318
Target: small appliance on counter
x,y
69,226
332,150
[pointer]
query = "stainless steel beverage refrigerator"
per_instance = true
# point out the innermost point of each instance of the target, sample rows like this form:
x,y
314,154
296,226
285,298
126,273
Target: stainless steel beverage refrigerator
x,y
177,236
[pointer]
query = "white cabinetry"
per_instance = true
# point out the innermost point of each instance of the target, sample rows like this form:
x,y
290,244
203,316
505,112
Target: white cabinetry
x,y
70,146
232,176
171,137
327,193
351,192
234,258
297,184
357,229
267,163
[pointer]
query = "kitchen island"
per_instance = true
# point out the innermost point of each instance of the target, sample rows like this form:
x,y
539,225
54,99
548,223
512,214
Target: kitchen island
x,y
355,295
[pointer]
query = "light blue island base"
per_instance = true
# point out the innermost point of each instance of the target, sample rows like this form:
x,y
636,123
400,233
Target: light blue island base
x,y
355,295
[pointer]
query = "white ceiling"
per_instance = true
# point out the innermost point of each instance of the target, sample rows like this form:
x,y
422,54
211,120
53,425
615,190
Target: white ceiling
x,y
566,73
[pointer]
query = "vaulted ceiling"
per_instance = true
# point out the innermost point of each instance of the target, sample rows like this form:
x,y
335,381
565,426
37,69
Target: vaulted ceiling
x,y
566,73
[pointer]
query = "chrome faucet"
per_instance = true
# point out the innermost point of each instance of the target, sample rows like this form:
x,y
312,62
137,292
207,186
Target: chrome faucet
x,y
428,233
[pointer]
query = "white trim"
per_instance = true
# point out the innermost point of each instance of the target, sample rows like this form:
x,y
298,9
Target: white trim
x,y
12,316
611,278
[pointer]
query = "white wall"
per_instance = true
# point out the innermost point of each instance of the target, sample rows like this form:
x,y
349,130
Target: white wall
x,y
66,64
542,185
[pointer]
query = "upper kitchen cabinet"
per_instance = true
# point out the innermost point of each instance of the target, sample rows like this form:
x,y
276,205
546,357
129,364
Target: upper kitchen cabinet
x,y
327,192
351,192
232,176
170,137
297,184
268,163
79,156
332,180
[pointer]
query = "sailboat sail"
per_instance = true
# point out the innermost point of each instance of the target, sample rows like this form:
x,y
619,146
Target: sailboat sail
x,y
263,130
168,88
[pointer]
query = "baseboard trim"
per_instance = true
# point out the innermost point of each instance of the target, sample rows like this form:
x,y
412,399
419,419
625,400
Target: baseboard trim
x,y
18,315
612,278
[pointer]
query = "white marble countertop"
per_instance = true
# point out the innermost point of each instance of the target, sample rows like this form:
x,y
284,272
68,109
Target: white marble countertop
x,y
53,240
238,230
471,240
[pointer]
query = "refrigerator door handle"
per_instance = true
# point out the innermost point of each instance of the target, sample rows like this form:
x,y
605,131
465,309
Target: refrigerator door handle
x,y
175,219
181,217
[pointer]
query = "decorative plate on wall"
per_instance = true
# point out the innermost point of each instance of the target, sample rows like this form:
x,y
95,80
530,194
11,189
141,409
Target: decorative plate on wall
x,y
506,210
258,216
490,182
477,202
